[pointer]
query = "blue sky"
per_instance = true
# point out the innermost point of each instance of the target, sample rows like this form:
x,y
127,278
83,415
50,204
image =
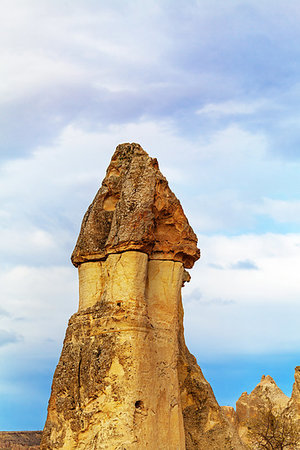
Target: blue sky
x,y
210,88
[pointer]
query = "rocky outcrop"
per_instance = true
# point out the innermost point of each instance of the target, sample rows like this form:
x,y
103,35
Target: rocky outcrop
x,y
294,403
295,397
125,379
265,393
20,440
265,397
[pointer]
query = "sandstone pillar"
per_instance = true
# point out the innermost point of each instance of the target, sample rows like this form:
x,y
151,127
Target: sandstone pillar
x,y
125,379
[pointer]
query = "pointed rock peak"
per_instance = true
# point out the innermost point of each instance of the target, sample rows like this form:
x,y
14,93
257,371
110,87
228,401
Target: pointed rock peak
x,y
297,376
244,395
296,386
268,391
267,380
135,210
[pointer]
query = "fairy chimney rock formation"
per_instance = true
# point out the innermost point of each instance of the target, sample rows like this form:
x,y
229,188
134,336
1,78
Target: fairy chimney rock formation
x,y
125,379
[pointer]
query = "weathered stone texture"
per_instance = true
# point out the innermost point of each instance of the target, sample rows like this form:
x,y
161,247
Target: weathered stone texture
x,y
267,396
294,403
125,379
135,210
20,440
116,382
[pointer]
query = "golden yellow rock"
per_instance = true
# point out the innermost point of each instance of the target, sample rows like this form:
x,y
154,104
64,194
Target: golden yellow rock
x,y
125,379
91,283
137,399
255,408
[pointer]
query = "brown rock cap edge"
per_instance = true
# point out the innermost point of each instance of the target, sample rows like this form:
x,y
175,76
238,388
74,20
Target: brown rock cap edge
x,y
135,209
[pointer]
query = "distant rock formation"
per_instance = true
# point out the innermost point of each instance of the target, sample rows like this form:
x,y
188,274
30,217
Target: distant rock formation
x,y
265,396
125,378
294,403
20,440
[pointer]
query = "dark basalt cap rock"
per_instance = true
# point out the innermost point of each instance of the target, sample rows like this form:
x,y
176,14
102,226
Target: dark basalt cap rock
x,y
135,210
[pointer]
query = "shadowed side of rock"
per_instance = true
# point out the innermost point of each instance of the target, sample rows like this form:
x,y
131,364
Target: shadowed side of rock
x,y
206,426
294,403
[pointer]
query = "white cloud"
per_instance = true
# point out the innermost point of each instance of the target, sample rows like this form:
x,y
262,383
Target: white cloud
x,y
283,211
230,329
226,152
38,302
76,44
231,108
240,311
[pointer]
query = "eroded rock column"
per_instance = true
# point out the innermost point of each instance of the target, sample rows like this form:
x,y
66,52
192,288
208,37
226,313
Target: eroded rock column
x,y
127,322
125,379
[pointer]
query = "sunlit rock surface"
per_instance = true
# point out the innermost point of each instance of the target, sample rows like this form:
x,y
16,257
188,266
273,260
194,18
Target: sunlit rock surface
x,y
264,397
125,379
135,210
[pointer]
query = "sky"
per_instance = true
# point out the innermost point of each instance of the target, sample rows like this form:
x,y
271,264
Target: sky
x,y
209,88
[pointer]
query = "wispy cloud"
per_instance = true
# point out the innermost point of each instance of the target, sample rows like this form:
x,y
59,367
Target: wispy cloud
x,y
9,337
230,108
3,313
245,264
283,211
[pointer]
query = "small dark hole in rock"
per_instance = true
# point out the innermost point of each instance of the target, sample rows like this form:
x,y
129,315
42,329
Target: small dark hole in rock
x,y
139,404
119,304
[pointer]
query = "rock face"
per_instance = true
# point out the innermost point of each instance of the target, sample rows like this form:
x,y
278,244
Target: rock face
x,y
20,440
125,379
267,396
264,393
296,388
135,210
294,403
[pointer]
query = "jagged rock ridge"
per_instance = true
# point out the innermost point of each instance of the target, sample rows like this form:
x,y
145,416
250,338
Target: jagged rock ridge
x,y
125,379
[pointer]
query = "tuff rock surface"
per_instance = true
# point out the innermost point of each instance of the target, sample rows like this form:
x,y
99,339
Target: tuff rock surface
x,y
135,210
248,405
20,440
125,378
266,395
294,403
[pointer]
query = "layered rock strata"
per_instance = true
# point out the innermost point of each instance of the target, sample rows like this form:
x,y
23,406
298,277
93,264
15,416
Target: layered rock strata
x,y
125,379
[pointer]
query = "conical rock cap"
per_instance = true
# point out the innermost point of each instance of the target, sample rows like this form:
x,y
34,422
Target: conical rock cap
x,y
135,210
